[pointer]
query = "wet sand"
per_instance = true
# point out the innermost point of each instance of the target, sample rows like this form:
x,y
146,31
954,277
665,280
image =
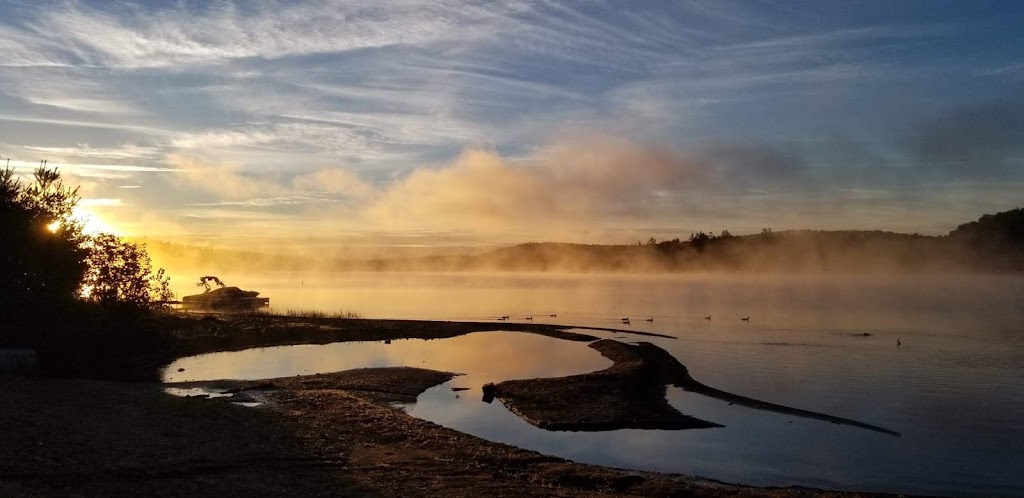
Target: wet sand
x,y
628,395
321,435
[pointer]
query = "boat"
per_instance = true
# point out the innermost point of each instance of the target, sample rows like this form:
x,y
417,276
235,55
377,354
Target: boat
x,y
223,298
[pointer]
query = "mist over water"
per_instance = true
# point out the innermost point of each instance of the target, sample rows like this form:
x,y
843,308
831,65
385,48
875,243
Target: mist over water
x,y
953,389
840,302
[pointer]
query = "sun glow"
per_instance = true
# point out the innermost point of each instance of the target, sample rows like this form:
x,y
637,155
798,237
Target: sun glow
x,y
92,224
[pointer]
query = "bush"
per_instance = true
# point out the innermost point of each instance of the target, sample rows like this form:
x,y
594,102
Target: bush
x,y
83,302
120,272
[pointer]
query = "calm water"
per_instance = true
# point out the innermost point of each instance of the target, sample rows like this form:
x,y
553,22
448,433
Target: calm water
x,y
954,389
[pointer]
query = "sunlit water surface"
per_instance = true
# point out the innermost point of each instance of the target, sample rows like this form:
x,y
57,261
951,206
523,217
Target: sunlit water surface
x,y
954,389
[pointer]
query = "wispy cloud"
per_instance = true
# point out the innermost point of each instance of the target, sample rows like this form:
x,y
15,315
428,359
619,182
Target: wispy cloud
x,y
134,36
104,202
128,151
450,117
87,169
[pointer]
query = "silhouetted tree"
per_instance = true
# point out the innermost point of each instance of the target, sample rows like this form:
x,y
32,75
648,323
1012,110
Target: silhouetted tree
x,y
121,272
669,246
42,248
46,261
700,240
993,241
1000,229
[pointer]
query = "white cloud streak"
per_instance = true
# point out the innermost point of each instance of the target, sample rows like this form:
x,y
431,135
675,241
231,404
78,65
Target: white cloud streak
x,y
358,108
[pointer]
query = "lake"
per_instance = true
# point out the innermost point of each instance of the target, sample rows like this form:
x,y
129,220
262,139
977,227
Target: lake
x,y
954,388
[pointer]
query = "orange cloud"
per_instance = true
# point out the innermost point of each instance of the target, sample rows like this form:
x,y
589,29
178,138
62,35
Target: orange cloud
x,y
574,183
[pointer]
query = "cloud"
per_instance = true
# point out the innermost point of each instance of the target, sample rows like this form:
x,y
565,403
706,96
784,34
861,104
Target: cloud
x,y
127,151
89,170
756,165
101,202
296,136
75,91
228,184
975,142
1008,70
587,187
335,113
582,183
226,181
333,181
86,123
575,183
241,136
135,36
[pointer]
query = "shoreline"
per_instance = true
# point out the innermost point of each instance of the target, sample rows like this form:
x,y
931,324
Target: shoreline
x,y
338,431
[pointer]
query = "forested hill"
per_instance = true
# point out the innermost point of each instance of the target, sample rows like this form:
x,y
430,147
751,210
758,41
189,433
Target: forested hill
x,y
994,243
1002,230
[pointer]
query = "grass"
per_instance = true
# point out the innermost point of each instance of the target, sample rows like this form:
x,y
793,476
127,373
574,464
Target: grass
x,y
299,313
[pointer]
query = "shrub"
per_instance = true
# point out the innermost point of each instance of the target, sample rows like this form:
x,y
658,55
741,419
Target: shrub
x,y
84,302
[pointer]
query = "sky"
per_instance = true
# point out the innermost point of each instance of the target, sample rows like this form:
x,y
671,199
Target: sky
x,y
408,124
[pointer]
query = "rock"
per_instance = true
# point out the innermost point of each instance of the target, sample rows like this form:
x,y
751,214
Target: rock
x,y
488,392
181,369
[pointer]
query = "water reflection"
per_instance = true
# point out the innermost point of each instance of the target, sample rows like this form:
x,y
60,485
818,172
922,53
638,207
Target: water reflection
x,y
825,302
482,357
954,389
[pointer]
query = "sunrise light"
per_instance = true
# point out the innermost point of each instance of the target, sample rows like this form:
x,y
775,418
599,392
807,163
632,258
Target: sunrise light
x,y
92,223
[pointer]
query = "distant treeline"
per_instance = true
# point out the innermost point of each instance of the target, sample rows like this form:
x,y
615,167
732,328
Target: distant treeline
x,y
993,243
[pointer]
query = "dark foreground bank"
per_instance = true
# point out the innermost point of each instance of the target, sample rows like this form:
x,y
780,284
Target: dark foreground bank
x,y
326,435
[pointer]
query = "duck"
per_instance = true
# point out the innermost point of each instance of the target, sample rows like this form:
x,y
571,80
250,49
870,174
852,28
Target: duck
x,y
745,319
707,317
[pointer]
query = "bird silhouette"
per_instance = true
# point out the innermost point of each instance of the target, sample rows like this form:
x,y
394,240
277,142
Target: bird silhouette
x,y
745,319
707,317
